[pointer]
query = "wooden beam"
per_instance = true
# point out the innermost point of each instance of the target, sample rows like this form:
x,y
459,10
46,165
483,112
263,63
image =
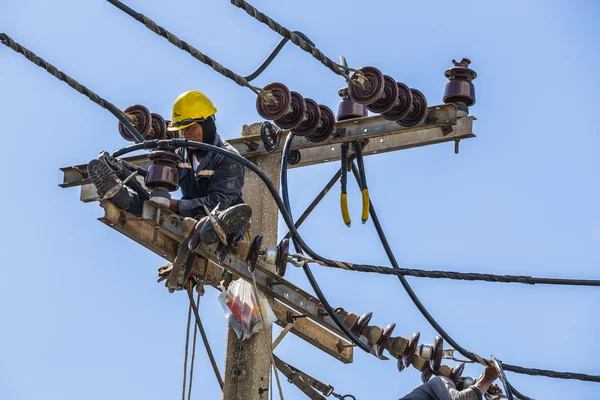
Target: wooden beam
x,y
441,125
164,239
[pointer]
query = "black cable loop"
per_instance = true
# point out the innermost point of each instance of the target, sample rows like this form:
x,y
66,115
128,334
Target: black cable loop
x,y
274,54
52,70
299,246
295,235
296,39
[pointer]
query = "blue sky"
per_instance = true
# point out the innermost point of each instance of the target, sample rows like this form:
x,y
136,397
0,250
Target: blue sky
x,y
83,316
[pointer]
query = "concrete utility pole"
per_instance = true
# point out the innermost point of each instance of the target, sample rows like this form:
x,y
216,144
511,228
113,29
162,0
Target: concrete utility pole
x,y
247,363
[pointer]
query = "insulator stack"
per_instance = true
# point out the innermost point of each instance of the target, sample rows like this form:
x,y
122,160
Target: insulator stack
x,y
460,89
163,175
426,358
277,256
149,125
289,110
348,109
382,94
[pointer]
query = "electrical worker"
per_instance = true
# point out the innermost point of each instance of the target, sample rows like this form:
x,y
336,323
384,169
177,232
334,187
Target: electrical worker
x,y
442,388
205,178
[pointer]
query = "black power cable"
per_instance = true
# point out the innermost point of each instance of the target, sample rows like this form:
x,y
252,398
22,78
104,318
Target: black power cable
x,y
273,54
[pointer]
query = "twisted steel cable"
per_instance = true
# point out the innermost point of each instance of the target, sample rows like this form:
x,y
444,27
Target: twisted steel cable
x,y
197,54
52,70
466,276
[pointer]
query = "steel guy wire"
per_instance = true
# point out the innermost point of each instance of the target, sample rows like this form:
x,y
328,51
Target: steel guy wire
x,y
52,70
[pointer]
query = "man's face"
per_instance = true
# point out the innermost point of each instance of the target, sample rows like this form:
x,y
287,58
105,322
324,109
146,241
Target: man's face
x,y
192,132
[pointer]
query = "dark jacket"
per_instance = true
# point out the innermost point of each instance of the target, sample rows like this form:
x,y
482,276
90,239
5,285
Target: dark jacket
x,y
217,180
442,388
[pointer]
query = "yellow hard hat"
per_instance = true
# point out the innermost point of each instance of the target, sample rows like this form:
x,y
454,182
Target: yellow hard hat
x,y
190,107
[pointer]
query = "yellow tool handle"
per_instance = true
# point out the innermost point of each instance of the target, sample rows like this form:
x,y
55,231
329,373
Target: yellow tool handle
x,y
344,206
365,206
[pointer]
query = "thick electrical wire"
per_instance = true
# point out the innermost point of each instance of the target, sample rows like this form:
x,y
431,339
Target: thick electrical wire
x,y
52,70
296,39
197,54
151,144
273,54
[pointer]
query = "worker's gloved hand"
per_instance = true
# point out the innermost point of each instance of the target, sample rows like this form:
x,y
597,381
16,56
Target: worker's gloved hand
x,y
494,390
490,373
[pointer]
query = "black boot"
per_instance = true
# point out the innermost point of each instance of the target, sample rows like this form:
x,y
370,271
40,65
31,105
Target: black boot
x,y
232,220
109,187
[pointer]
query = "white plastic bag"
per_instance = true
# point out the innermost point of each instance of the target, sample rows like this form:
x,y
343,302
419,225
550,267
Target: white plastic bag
x,y
241,309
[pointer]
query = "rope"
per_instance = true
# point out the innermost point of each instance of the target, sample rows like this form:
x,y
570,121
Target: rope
x,y
296,39
204,338
290,224
187,346
260,313
193,357
52,70
467,276
197,54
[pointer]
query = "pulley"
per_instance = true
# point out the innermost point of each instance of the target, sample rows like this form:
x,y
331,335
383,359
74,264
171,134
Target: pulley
x,y
367,87
269,136
418,110
294,157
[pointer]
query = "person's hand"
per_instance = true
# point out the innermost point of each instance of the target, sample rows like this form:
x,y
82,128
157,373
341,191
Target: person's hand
x,y
490,373
174,205
494,390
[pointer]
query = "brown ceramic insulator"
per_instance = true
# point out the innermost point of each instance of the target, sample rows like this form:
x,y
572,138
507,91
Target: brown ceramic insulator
x,y
373,334
140,118
460,88
325,127
435,362
296,113
396,346
349,109
400,365
254,252
280,102
311,121
444,370
388,97
350,319
457,372
370,91
164,171
409,352
159,128
418,110
362,323
385,337
419,363
426,373
283,251
402,105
